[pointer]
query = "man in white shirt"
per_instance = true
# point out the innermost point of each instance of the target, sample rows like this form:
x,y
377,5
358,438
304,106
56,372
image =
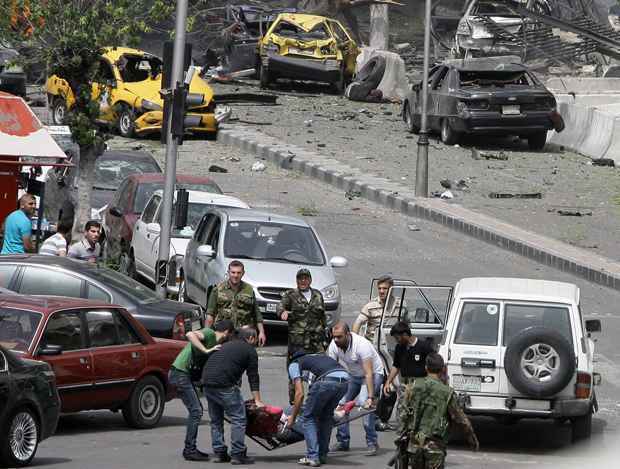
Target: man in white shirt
x,y
56,245
364,365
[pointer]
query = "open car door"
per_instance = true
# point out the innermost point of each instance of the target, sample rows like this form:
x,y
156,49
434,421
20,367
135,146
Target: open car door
x,y
424,307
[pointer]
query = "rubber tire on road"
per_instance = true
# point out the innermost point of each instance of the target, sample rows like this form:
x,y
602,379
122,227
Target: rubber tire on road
x,y
371,74
126,113
581,427
534,335
537,141
448,135
264,77
133,411
408,118
127,264
59,105
7,457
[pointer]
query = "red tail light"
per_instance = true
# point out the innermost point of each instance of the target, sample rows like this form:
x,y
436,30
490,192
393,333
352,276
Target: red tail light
x,y
178,329
583,387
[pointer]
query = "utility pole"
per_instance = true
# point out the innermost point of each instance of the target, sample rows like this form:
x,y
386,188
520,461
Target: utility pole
x,y
421,168
171,151
379,27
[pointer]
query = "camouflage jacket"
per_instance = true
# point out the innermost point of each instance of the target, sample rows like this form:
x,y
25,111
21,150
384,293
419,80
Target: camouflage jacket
x,y
427,410
237,305
306,320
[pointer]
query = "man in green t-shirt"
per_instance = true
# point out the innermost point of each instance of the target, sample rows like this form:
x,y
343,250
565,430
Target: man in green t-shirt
x,y
200,342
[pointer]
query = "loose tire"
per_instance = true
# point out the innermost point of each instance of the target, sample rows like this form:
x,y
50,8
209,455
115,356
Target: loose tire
x,y
409,119
146,403
371,74
127,264
126,122
539,362
448,135
537,141
582,427
59,111
19,439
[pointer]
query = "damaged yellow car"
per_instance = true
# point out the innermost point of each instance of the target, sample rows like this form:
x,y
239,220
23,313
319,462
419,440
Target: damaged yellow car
x,y
307,47
127,90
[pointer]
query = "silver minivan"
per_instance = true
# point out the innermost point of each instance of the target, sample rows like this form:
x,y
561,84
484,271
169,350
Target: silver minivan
x,y
272,248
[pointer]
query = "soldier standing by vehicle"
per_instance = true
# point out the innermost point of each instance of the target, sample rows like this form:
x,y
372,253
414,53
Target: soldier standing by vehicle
x,y
234,299
428,407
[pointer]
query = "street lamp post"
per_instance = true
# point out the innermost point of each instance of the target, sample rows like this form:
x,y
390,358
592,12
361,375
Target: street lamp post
x,y
421,170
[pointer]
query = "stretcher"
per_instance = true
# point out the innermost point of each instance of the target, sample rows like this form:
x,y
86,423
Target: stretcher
x,y
266,426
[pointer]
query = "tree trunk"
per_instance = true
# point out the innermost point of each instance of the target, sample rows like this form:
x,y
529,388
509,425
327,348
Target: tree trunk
x,y
86,177
379,27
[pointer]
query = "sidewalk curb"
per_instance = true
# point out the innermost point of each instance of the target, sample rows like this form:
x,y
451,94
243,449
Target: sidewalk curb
x,y
548,251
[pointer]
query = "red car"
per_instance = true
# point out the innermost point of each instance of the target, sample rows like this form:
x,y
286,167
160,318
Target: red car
x,y
102,357
129,201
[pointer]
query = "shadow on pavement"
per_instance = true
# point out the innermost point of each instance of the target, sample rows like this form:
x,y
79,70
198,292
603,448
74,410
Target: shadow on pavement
x,y
105,421
48,461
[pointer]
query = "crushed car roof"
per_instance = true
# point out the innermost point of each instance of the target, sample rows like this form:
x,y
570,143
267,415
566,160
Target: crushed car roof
x,y
302,20
115,53
524,289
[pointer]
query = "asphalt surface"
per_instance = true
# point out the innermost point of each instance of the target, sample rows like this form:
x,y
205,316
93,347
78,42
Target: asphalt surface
x,y
375,241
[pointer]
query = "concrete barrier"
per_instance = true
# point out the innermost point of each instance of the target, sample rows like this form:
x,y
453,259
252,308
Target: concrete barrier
x,y
613,151
599,135
582,85
576,121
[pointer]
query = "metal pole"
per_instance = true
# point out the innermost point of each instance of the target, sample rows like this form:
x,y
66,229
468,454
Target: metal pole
x,y
171,143
421,169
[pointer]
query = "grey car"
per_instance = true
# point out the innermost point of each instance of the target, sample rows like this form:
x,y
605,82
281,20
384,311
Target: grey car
x,y
272,248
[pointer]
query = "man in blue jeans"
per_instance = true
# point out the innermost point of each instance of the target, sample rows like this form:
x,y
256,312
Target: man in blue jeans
x,y
222,379
364,365
200,342
328,383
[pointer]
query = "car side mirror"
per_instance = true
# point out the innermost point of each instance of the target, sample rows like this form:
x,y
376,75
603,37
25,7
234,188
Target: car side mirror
x,y
593,325
153,228
338,261
205,251
50,350
116,212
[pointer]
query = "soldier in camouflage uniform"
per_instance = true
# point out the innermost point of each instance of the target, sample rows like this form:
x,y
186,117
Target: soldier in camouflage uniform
x,y
304,310
235,300
428,408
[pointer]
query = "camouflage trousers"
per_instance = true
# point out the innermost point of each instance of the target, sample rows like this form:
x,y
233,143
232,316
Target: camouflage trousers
x,y
429,456
404,382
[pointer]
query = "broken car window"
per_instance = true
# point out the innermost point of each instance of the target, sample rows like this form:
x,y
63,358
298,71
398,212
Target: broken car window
x,y
492,9
495,78
135,68
291,30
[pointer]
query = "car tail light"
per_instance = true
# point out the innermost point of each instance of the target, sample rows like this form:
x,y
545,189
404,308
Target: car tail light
x,y
178,329
463,28
583,387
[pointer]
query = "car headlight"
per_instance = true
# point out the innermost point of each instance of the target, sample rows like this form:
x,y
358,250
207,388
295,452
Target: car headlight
x,y
150,105
331,292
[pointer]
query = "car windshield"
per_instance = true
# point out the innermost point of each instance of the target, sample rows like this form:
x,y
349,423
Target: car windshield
x,y
286,29
492,9
109,173
194,214
127,285
518,317
146,190
494,78
274,242
17,328
138,67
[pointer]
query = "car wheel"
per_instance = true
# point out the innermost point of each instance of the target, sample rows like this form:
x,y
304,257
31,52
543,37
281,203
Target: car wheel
x,y
582,427
408,118
537,141
19,439
127,264
126,122
59,111
448,135
146,403
264,77
539,362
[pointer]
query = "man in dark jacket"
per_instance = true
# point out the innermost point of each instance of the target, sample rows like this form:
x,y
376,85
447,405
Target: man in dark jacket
x,y
222,380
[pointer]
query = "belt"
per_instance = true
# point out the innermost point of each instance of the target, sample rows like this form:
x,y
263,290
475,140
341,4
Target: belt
x,y
334,379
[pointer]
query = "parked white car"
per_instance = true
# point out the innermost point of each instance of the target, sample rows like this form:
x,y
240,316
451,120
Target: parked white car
x,y
514,348
144,251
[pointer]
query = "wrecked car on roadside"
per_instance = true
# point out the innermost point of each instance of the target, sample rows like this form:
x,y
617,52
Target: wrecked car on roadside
x,y
307,47
484,97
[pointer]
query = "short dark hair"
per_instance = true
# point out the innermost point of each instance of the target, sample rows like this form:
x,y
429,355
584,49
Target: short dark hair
x,y
434,363
246,332
92,223
236,263
225,325
401,327
64,227
385,279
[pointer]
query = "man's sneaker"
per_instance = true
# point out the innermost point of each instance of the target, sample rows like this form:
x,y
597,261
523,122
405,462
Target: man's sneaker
x,y
240,459
195,455
221,457
339,447
309,462
372,451
323,459
382,427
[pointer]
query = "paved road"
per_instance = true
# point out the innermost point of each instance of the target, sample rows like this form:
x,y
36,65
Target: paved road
x,y
375,241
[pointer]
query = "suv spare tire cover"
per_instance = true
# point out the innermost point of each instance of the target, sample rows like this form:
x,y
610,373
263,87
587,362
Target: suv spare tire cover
x,y
545,340
371,73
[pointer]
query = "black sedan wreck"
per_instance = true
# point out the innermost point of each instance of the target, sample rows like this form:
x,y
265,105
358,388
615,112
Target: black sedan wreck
x,y
484,97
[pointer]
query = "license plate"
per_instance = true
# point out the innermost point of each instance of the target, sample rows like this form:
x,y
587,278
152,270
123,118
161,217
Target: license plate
x,y
272,307
511,110
466,383
296,50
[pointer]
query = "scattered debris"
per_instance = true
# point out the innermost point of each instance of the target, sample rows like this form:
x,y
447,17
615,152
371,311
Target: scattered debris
x,y
508,195
571,212
321,145
462,184
603,162
308,211
308,123
258,166
402,46
447,195
477,155
352,194
260,98
413,227
217,169
446,183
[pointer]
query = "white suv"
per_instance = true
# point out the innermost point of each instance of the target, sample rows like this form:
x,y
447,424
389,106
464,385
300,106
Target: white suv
x,y
514,348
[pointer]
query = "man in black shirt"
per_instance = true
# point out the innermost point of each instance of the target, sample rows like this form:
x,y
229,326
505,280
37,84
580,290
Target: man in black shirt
x,y
222,379
409,356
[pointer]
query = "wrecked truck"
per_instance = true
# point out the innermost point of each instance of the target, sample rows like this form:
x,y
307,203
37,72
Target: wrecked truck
x,y
307,47
484,97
